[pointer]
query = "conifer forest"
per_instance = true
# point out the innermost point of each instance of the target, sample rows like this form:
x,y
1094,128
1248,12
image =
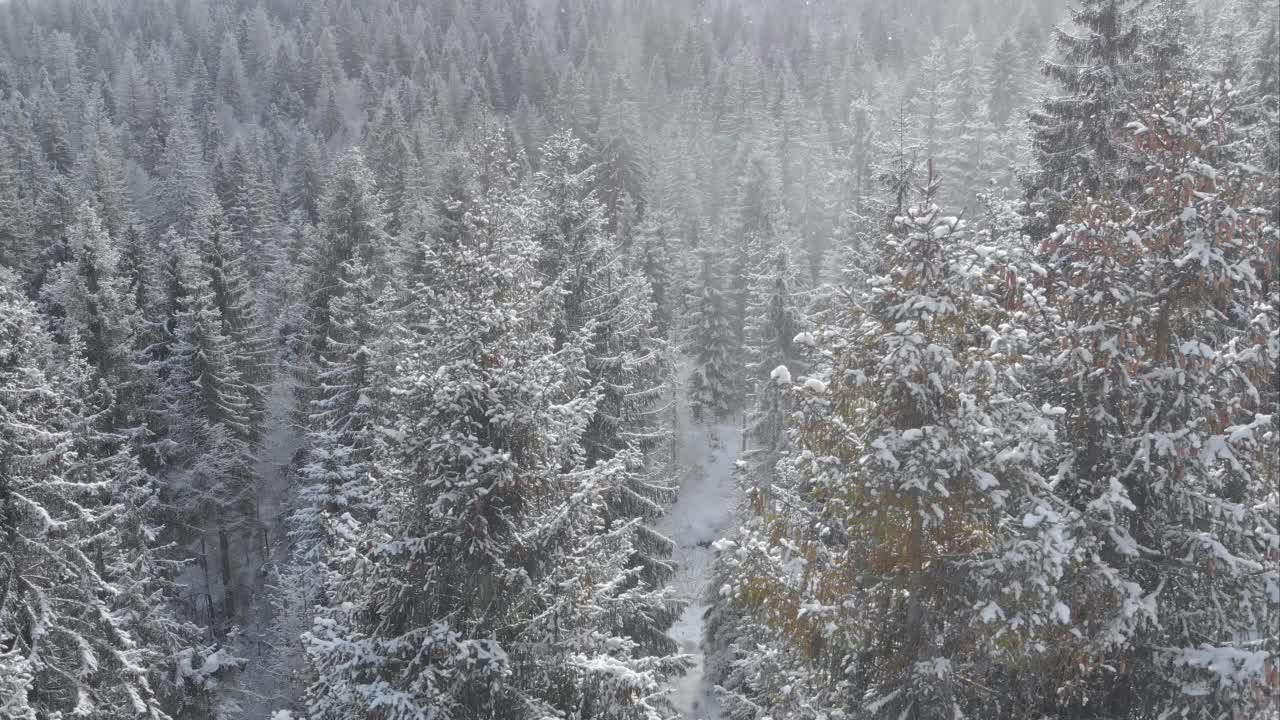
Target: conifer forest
x,y
639,359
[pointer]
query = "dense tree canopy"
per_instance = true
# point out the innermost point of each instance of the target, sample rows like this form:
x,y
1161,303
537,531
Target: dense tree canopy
x,y
353,354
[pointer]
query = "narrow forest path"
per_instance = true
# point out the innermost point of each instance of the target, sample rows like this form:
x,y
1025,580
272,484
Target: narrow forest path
x,y
260,693
703,512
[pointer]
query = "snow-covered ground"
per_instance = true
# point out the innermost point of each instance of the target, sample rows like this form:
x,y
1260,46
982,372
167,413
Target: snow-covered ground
x,y
258,683
703,512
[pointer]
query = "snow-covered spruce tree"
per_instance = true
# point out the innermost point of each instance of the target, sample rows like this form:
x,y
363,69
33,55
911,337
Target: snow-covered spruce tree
x,y
755,226
54,214
102,179
96,317
620,155
1168,355
492,581
653,256
181,197
1004,93
893,166
1075,133
773,321
390,151
853,173
967,153
22,171
344,414
78,627
929,99
353,222
602,301
225,266
202,414
606,307
890,572
305,190
130,551
711,344
91,305
1164,52
253,217
50,124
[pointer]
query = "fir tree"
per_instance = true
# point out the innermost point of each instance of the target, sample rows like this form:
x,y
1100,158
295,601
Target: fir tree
x,y
910,433
344,415
603,303
92,306
1167,350
73,633
202,414
774,320
711,343
182,197
1075,134
497,485
352,225
1002,82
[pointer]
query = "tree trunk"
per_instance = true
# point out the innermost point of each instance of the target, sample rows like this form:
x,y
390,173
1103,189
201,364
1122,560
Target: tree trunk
x,y
228,593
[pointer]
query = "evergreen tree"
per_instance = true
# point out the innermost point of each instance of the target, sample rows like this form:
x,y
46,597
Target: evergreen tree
x,y
606,308
928,100
353,223
1165,43
231,85
917,455
618,147
711,343
307,179
1002,82
224,266
78,632
965,155
653,257
391,152
104,183
182,197
92,307
1167,350
757,224
50,125
203,416
496,484
252,215
132,551
21,168
774,320
1075,134
344,415
603,304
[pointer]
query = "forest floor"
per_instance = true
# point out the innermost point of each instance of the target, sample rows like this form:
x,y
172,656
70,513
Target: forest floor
x,y
703,512
258,686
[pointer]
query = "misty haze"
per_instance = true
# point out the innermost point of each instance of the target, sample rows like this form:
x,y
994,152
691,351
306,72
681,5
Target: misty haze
x,y
639,359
